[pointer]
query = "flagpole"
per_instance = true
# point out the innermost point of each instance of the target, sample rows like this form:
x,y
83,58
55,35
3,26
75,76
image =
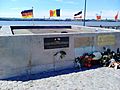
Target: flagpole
x,y
32,16
84,13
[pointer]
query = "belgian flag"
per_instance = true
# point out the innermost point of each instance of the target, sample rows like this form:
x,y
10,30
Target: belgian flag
x,y
55,13
27,13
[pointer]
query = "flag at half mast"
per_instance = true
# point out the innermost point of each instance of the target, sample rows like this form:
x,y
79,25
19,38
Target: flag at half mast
x,y
27,13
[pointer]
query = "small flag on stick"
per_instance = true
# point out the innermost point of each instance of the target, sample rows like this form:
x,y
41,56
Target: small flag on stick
x,y
98,17
116,16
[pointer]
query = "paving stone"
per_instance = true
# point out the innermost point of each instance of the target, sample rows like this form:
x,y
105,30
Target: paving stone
x,y
96,79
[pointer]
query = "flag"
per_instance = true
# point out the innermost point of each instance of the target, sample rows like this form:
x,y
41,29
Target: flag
x,y
98,17
55,13
78,15
116,16
27,13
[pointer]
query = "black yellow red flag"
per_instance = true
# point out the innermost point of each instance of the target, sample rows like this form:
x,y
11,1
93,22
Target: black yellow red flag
x,y
27,13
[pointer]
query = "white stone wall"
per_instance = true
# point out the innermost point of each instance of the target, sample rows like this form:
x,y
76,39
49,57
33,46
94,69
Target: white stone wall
x,y
24,54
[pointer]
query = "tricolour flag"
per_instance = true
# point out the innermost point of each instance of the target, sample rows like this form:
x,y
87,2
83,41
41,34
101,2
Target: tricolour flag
x,y
78,15
55,13
116,16
27,13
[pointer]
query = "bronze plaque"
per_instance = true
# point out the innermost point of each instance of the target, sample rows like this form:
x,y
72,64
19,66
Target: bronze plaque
x,y
105,40
83,41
